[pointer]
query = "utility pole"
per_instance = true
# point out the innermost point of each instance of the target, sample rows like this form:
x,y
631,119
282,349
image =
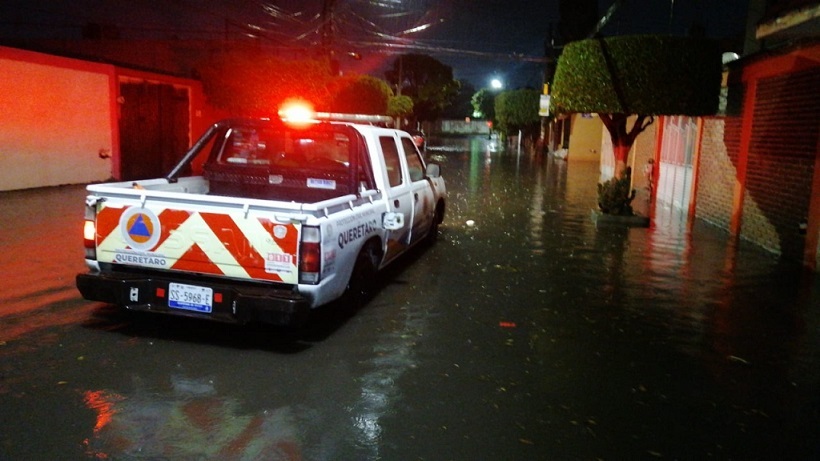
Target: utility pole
x,y
671,15
326,30
326,37
607,16
401,77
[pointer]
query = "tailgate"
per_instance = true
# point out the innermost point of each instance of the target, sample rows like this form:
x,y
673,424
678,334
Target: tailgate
x,y
226,244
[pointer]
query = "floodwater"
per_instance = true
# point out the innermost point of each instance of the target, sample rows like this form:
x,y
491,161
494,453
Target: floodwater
x,y
525,333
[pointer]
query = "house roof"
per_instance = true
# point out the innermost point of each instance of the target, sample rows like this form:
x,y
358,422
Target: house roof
x,y
790,19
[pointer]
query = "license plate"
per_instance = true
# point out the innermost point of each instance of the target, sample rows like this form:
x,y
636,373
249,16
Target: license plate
x,y
190,297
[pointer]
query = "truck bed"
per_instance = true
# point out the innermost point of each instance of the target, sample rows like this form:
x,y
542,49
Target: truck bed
x,y
197,189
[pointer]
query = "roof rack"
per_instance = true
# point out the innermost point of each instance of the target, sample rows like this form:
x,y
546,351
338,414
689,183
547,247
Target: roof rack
x,y
355,118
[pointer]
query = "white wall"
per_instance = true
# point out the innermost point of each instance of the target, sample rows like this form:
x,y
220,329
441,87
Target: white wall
x,y
464,127
55,120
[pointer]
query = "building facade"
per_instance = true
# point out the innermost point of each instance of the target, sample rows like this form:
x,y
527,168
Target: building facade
x,y
71,121
759,174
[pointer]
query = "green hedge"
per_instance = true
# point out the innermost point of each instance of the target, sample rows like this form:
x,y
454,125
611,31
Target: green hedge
x,y
517,109
639,74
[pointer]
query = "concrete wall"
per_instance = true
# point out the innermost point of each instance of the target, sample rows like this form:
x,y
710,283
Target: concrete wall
x,y
57,120
462,127
585,138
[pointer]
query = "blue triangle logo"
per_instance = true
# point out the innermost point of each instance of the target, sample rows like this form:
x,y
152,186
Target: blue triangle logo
x,y
139,227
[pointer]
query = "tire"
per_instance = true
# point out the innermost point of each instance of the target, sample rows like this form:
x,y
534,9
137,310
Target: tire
x,y
432,234
361,286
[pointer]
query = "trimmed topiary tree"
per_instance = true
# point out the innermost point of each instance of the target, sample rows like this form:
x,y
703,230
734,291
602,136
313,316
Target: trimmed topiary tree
x,y
517,110
360,94
399,107
642,75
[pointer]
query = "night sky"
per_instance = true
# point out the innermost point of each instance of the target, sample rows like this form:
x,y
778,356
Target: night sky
x,y
480,39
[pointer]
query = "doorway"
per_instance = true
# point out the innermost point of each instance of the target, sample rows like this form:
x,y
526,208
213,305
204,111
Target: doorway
x,y
154,128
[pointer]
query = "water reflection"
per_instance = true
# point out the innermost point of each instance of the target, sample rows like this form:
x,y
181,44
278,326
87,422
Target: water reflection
x,y
675,310
327,403
189,419
393,355
40,257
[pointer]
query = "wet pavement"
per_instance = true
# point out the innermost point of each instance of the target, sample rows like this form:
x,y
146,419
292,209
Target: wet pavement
x,y
525,333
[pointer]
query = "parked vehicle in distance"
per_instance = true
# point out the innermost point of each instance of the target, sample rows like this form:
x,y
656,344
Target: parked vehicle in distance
x,y
419,138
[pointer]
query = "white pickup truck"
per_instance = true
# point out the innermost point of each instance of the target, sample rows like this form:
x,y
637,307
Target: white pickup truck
x,y
283,217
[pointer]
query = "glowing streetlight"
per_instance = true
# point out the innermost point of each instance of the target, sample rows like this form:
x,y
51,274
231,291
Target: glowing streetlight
x,y
496,84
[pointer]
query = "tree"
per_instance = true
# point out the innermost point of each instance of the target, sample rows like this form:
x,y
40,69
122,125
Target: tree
x,y
644,76
461,106
483,102
360,94
427,81
255,83
517,110
399,107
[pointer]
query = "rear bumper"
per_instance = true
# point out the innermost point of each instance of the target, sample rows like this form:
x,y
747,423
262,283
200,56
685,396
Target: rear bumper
x,y
232,303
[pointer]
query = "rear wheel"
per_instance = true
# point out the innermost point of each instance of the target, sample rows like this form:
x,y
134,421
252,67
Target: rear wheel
x,y
361,286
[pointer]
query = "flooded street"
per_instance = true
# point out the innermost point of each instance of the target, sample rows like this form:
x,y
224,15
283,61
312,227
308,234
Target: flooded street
x,y
525,333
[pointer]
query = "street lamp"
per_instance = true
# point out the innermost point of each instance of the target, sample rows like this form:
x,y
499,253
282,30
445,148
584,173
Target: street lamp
x,y
496,84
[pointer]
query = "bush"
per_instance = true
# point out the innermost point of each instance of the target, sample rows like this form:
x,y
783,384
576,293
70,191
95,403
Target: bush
x,y
614,196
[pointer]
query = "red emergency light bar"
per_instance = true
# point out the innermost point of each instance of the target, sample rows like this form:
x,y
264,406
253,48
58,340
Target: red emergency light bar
x,y
301,113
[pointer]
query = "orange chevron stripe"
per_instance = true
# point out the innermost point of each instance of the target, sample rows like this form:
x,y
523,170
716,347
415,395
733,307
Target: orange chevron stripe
x,y
195,260
290,243
171,220
107,220
241,249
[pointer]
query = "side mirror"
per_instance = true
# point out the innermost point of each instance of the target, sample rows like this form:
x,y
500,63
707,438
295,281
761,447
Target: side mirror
x,y
433,170
393,221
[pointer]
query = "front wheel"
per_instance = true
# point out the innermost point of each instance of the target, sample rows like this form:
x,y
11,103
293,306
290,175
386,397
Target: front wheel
x,y
438,218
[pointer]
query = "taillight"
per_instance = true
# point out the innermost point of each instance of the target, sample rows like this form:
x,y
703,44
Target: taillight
x,y
90,232
310,255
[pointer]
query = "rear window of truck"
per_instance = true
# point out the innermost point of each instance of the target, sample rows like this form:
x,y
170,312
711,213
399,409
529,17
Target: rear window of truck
x,y
282,163
285,148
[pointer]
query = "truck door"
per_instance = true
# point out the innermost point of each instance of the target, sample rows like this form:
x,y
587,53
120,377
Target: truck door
x,y
423,203
399,196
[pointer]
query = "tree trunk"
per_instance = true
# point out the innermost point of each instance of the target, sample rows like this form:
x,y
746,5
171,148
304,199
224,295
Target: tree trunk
x,y
621,152
622,139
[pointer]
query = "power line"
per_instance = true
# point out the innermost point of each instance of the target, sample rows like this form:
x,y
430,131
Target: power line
x,y
446,50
